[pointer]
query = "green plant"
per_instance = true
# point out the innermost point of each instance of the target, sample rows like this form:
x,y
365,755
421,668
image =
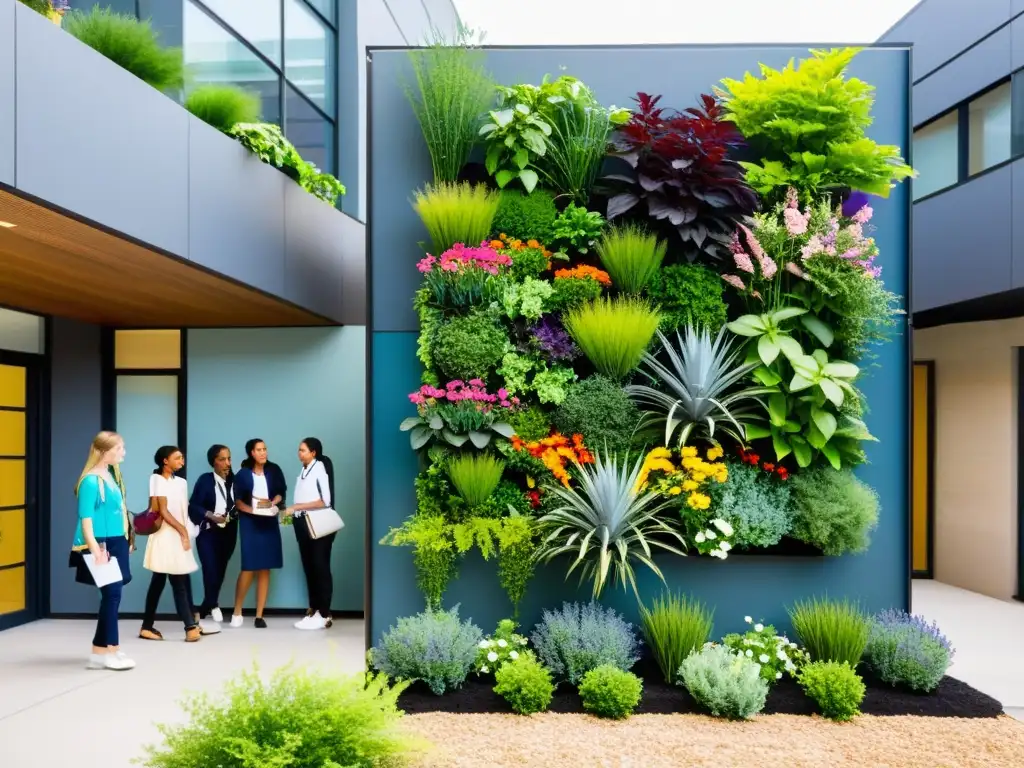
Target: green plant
x,y
758,505
608,691
835,688
129,43
527,298
675,626
469,346
525,684
831,630
516,556
774,654
434,554
531,424
905,650
688,294
223,106
46,7
525,217
632,256
572,292
703,389
476,475
578,228
578,143
834,511
723,683
613,333
600,410
579,637
607,524
501,648
456,213
436,647
452,90
807,123
516,135
259,723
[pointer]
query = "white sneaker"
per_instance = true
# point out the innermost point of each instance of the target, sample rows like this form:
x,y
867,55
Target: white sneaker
x,y
316,621
117,662
236,621
208,627
217,615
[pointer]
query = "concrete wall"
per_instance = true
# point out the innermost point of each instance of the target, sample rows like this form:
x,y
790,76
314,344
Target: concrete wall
x,y
975,472
399,163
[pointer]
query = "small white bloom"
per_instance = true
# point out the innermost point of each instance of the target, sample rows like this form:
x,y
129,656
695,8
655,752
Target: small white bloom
x,y
514,655
763,658
711,534
484,670
502,643
522,641
778,675
723,526
484,644
758,627
748,620
782,656
725,546
750,653
492,656
792,645
699,538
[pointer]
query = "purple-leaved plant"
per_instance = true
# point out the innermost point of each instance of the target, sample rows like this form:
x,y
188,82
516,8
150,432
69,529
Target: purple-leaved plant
x,y
553,339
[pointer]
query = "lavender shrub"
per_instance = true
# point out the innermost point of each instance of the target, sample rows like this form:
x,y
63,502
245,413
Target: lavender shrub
x,y
908,651
581,637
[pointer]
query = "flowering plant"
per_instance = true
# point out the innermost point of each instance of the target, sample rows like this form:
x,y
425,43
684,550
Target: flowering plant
x,y
529,259
554,451
769,467
462,276
503,646
458,413
553,339
773,653
584,271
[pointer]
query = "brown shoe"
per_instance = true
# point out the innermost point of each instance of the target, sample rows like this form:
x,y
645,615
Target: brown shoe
x,y
328,622
150,634
192,635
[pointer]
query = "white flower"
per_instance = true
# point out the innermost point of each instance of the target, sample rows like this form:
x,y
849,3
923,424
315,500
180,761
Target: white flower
x,y
725,546
723,526
782,656
502,643
717,553
699,538
514,655
763,658
792,645
750,653
484,670
748,620
522,641
778,675
758,627
492,656
711,534
485,643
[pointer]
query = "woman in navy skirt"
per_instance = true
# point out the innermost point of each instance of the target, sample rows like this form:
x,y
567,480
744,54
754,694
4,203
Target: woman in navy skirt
x,y
259,490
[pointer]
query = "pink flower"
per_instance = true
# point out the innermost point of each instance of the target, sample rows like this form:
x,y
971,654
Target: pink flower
x,y
856,231
796,222
476,382
424,264
793,269
813,246
768,267
503,393
791,199
863,216
505,404
417,398
449,266
734,244
455,384
743,262
850,255
515,401
735,282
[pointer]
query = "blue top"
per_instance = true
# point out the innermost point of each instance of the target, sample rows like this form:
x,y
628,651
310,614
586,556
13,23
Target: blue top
x,y
107,514
204,499
276,485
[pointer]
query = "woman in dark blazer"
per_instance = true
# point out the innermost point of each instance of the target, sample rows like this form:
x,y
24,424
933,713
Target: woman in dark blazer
x,y
259,490
212,509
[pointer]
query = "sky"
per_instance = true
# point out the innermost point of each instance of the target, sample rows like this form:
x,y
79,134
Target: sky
x,y
579,22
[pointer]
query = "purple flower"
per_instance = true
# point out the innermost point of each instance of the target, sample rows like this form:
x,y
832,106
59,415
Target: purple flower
x,y
892,619
554,339
854,203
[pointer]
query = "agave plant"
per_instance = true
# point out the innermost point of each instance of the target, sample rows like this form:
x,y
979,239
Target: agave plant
x,y
607,524
702,388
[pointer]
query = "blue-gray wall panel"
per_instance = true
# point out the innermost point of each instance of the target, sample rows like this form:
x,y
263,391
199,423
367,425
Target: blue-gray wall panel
x,y
325,265
1017,231
975,70
75,413
7,25
235,210
955,262
96,140
1017,43
412,19
399,164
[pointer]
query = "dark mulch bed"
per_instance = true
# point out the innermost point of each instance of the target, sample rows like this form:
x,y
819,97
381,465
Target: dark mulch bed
x,y
952,698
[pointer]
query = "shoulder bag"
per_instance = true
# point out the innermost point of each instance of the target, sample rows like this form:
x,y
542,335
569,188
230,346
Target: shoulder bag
x,y
322,522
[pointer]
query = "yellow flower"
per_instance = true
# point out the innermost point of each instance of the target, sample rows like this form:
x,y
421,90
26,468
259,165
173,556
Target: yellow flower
x,y
690,485
699,477
689,451
663,464
660,453
530,482
698,501
690,463
715,453
674,491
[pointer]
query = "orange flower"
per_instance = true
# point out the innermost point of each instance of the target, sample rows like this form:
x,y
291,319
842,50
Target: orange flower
x,y
555,451
584,271
496,244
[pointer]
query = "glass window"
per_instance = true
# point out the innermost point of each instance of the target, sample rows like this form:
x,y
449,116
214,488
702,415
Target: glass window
x,y
326,8
147,417
22,332
214,55
309,131
936,155
257,21
147,350
308,54
990,129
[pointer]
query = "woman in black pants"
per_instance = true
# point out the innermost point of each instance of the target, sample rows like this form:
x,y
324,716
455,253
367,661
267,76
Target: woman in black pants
x,y
212,509
314,490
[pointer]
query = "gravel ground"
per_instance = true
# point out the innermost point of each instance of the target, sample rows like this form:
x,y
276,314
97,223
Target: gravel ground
x,y
671,741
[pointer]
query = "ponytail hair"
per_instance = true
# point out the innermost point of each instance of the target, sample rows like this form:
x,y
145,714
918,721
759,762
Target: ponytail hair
x,y
250,445
163,453
314,444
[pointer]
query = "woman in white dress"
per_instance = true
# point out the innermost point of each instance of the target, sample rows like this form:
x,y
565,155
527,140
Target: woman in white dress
x,y
169,553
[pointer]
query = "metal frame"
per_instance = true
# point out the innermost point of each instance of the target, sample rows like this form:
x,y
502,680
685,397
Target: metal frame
x,y
1019,595
929,572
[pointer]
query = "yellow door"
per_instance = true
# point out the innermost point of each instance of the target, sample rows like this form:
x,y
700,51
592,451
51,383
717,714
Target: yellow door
x,y
921,520
13,466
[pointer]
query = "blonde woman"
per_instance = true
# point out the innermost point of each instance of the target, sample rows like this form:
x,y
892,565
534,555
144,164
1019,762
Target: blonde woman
x,y
103,531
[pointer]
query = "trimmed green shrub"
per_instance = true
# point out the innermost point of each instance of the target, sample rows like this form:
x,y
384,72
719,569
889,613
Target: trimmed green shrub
x,y
223,106
758,505
607,691
356,724
578,228
688,294
724,684
632,256
528,263
501,648
571,292
906,650
833,510
831,630
475,475
468,347
526,217
674,627
455,213
601,411
525,684
835,688
613,333
580,637
129,43
435,647
530,424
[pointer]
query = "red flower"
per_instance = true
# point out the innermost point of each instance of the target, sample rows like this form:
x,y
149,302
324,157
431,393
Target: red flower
x,y
534,497
782,473
769,467
754,459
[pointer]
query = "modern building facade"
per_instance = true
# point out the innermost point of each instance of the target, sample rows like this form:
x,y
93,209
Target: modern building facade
x,y
968,290
158,280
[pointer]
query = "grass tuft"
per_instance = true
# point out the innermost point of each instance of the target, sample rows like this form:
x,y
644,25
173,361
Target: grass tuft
x,y
613,333
674,627
475,476
831,630
632,256
223,106
456,213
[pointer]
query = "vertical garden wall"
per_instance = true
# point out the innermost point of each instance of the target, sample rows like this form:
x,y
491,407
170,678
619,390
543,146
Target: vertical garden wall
x,y
762,584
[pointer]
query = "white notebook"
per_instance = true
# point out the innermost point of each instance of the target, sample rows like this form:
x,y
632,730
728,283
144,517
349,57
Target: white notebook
x,y
104,574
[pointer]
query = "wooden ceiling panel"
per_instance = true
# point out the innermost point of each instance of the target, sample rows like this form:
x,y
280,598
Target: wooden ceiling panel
x,y
53,264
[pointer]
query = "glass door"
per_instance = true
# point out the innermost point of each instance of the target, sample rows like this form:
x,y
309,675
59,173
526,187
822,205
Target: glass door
x,y
18,503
